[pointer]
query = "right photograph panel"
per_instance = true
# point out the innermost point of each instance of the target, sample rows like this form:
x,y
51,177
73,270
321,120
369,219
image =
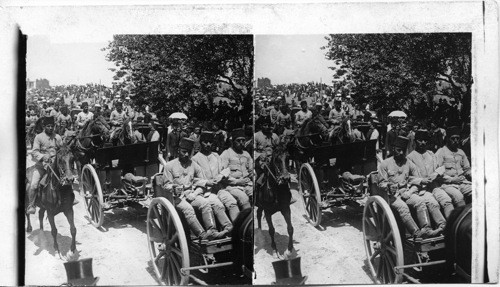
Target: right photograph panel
x,y
363,158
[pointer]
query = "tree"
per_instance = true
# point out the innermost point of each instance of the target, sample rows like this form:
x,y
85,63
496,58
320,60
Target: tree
x,y
399,71
184,72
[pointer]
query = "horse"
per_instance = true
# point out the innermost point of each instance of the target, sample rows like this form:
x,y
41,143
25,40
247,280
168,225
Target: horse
x,y
57,195
312,132
343,133
273,195
92,136
123,135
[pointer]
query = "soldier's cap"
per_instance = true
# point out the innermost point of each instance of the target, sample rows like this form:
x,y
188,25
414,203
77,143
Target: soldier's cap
x,y
319,104
207,136
48,121
453,131
97,106
422,135
237,133
186,144
401,142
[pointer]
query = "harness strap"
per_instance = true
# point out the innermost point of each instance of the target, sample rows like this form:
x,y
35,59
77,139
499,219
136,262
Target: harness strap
x,y
58,179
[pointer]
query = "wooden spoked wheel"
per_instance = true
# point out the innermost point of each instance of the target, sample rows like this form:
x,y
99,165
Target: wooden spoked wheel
x,y
383,245
92,194
309,189
167,243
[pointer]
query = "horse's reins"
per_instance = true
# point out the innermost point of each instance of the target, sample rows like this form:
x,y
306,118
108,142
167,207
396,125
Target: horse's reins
x,y
54,173
270,172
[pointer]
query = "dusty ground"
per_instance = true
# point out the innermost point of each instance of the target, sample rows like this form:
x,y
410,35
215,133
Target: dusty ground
x,y
333,254
119,251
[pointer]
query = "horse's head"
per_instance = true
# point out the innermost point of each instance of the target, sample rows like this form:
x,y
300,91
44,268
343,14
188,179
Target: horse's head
x,y
127,129
277,164
64,165
101,127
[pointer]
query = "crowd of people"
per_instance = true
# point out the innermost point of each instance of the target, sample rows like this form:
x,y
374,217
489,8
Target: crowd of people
x,y
208,164
423,165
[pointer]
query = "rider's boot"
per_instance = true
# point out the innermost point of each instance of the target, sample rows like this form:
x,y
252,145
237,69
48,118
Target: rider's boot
x,y
210,227
31,201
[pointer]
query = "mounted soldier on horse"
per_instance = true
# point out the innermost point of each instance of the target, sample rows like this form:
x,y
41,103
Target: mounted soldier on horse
x,y
49,181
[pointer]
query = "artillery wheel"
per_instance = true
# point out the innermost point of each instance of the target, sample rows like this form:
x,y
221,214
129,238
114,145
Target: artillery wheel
x,y
167,243
90,188
383,245
311,195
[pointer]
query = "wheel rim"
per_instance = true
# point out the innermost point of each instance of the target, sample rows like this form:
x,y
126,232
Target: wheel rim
x,y
93,203
383,244
167,243
309,189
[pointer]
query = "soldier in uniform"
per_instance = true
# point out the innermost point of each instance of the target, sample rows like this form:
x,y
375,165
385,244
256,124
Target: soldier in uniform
x,y
302,115
185,177
117,117
210,164
237,166
45,147
84,116
425,162
337,113
457,173
395,174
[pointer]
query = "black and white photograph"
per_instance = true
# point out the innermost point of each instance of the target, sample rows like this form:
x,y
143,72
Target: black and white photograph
x,y
263,143
363,158
138,165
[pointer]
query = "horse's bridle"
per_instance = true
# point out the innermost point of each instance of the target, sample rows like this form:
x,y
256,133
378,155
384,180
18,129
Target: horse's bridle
x,y
60,169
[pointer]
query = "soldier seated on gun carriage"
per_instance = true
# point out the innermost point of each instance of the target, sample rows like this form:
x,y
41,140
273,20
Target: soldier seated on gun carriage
x,y
457,172
210,163
185,179
395,176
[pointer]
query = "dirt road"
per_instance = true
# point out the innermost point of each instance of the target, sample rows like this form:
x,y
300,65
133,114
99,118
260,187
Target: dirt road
x,y
119,251
333,254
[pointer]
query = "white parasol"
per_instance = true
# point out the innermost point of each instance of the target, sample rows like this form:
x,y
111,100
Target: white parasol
x,y
178,115
397,114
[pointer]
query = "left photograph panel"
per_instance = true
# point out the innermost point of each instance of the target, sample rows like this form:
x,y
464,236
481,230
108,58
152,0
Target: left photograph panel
x,y
138,166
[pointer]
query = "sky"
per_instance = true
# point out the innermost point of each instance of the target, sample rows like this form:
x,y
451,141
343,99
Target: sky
x,y
64,63
292,59
281,58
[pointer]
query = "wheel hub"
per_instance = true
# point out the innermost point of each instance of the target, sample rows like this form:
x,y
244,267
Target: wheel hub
x,y
162,247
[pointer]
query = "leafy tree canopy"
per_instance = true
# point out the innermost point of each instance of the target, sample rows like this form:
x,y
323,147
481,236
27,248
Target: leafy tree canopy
x,y
184,72
399,71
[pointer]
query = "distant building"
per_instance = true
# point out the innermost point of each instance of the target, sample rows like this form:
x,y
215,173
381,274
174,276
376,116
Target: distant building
x,y
30,84
263,82
42,84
